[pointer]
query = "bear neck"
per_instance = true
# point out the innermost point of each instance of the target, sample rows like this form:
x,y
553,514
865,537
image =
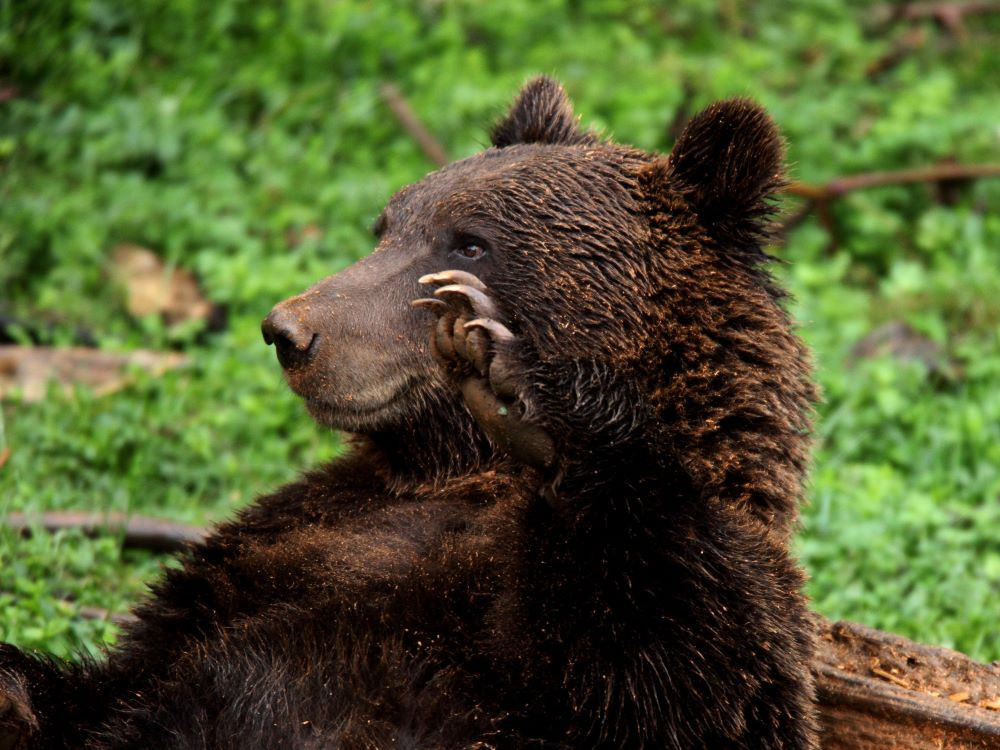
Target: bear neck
x,y
438,443
731,385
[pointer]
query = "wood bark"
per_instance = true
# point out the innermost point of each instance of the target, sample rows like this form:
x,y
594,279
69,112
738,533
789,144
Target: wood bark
x,y
882,691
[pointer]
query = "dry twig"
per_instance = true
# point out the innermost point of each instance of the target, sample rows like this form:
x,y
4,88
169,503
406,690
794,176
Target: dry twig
x,y
938,173
97,613
819,197
431,147
948,15
140,532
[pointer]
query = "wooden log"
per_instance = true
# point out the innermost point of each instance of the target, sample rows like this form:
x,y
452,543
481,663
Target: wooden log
x,y
879,690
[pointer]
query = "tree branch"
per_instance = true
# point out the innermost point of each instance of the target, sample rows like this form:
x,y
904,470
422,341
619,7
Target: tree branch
x,y
139,532
949,15
98,613
431,147
819,197
938,173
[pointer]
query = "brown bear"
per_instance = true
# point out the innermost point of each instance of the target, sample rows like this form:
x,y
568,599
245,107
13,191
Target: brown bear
x,y
563,519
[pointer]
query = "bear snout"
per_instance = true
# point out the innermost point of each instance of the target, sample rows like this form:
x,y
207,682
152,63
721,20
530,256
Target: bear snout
x,y
293,339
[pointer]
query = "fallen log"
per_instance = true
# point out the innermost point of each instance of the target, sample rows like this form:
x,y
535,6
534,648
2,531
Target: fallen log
x,y
879,690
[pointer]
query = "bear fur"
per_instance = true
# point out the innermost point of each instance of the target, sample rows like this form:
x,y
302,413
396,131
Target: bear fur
x,y
563,518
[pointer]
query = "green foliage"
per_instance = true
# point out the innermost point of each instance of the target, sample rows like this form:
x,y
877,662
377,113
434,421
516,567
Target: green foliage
x,y
247,141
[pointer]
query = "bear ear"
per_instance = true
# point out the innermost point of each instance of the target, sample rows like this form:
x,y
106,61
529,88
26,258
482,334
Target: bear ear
x,y
542,113
727,163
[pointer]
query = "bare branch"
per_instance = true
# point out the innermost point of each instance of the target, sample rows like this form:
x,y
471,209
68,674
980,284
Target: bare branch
x,y
431,147
819,197
139,532
913,39
949,15
97,613
941,172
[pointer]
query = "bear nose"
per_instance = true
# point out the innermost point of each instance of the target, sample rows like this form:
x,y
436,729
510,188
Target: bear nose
x,y
293,341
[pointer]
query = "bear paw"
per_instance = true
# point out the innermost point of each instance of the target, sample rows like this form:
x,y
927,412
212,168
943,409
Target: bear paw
x,y
477,351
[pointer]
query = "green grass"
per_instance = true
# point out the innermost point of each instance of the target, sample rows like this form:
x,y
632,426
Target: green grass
x,y
211,132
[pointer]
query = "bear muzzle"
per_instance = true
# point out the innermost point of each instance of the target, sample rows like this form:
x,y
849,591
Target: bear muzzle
x,y
294,341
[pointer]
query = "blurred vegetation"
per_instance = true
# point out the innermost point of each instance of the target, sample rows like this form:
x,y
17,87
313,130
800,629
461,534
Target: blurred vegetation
x,y
247,141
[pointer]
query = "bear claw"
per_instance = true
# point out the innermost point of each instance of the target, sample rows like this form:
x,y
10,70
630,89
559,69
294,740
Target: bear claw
x,y
430,304
477,300
498,331
453,277
475,348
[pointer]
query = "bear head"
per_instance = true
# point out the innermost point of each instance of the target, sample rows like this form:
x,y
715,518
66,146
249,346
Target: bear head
x,y
592,250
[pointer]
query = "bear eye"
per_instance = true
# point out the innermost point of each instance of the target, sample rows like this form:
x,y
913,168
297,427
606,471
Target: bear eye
x,y
470,250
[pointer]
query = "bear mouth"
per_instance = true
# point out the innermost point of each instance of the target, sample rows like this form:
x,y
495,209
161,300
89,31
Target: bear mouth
x,y
367,411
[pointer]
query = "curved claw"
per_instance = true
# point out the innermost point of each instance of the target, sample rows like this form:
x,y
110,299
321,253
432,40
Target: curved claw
x,y
426,303
481,305
453,277
498,331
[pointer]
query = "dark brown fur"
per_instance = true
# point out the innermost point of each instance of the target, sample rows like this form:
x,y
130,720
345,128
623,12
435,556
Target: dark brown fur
x,y
419,592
